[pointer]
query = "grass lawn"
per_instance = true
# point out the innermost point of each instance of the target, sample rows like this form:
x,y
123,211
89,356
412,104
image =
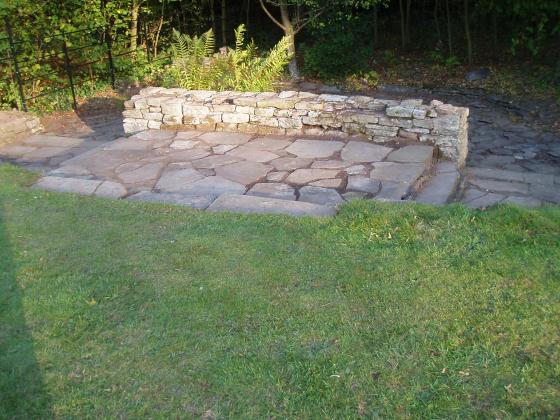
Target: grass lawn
x,y
130,309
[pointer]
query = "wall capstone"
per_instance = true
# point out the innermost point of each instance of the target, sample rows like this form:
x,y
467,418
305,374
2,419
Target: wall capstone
x,y
302,113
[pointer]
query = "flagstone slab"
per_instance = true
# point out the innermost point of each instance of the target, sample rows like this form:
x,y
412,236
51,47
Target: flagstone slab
x,y
244,172
16,150
269,143
273,190
199,202
213,162
328,183
154,135
187,155
187,135
359,151
329,164
413,153
397,172
277,176
44,140
252,154
255,204
184,144
223,148
290,163
45,153
318,195
223,137
74,185
213,186
175,180
316,149
145,173
110,189
305,176
363,184
393,191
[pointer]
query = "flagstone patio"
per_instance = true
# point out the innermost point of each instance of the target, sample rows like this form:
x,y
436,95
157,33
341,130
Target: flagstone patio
x,y
237,172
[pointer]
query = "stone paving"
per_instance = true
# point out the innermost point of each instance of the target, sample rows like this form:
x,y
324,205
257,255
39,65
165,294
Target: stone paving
x,y
232,171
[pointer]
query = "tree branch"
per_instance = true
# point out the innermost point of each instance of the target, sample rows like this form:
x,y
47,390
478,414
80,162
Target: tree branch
x,y
270,16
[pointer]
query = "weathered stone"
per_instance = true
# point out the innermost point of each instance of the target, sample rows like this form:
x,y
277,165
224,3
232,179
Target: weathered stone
x,y
188,155
193,201
524,201
413,153
111,189
289,163
223,148
314,148
318,195
277,176
269,143
356,170
400,111
235,118
74,185
486,200
252,154
500,186
213,186
154,135
363,184
218,138
329,164
145,173
195,110
176,180
327,183
305,176
441,188
397,172
184,144
379,131
244,172
212,162
393,191
254,204
273,190
356,151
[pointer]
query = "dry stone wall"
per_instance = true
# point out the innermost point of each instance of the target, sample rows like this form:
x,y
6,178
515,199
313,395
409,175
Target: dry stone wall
x,y
302,113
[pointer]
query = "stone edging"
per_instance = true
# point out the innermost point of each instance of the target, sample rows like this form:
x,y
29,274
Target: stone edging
x,y
17,125
302,113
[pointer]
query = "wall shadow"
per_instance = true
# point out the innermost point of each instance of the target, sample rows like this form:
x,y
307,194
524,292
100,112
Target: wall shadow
x,y
23,394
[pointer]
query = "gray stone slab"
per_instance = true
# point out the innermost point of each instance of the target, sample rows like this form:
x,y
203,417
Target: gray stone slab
x,y
269,143
357,151
254,204
487,200
193,201
524,201
499,174
44,140
500,186
314,148
213,162
155,135
186,135
393,191
329,164
550,193
223,148
145,173
277,176
16,151
128,144
213,185
244,172
184,144
328,183
318,195
412,154
176,180
440,188
110,189
357,170
305,176
223,137
363,184
354,195
273,190
74,185
252,154
290,164
45,153
397,172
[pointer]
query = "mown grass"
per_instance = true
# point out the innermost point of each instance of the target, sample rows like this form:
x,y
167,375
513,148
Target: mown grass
x,y
128,309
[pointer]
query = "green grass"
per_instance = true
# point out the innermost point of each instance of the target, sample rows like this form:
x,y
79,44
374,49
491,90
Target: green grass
x,y
125,309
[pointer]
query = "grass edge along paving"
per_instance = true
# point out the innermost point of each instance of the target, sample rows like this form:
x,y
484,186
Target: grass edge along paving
x,y
128,309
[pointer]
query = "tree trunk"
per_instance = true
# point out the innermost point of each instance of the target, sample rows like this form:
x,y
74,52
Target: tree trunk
x,y
449,44
158,32
289,32
134,25
436,20
403,33
213,17
408,4
224,23
468,32
375,27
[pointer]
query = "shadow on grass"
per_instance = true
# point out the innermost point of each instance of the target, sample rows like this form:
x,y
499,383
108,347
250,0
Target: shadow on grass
x,y
22,391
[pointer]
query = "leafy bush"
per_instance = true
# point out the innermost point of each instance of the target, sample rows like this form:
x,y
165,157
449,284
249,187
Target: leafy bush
x,y
195,66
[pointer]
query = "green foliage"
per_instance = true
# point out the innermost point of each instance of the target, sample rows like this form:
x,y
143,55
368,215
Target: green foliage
x,y
442,60
195,66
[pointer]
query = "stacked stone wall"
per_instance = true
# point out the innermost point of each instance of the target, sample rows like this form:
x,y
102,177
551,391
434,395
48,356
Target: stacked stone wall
x,y
302,113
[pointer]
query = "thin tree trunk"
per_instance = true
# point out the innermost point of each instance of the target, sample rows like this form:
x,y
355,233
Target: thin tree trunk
x,y
213,17
375,26
403,35
134,25
468,32
224,23
436,19
289,32
449,43
158,32
408,4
